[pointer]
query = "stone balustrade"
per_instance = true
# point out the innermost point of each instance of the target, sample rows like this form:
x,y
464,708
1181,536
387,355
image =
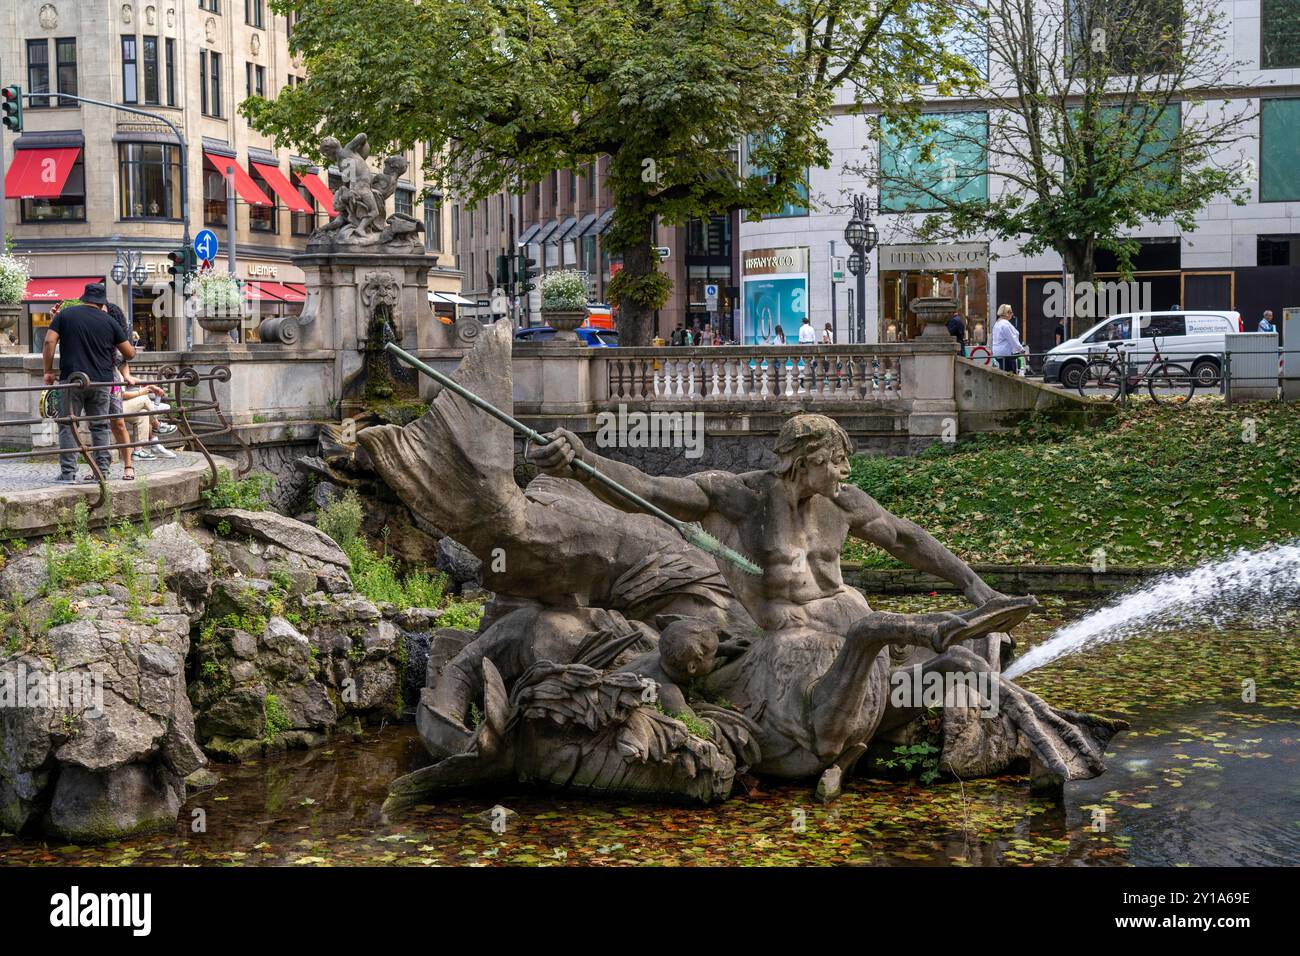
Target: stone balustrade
x,y
762,375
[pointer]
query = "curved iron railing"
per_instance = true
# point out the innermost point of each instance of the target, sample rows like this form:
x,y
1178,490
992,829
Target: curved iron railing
x,y
190,431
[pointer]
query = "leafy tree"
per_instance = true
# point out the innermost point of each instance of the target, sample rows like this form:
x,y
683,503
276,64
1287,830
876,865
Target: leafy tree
x,y
1103,115
506,91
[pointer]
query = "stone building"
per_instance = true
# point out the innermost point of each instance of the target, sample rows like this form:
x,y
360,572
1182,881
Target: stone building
x,y
561,223
1238,257
84,182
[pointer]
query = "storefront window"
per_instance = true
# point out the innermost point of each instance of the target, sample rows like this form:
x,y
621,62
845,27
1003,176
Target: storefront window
x,y
150,181
70,206
897,290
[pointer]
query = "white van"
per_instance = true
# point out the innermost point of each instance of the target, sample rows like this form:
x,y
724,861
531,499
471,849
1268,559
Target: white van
x,y
1194,340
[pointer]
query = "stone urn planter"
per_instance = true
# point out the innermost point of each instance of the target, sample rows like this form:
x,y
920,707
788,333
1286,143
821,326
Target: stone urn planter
x,y
564,322
934,311
218,322
9,314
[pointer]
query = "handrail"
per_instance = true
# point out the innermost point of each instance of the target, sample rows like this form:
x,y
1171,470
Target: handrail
x,y
188,430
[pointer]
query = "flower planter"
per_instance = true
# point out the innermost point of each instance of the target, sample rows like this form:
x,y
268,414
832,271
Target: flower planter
x,y
215,323
934,311
564,322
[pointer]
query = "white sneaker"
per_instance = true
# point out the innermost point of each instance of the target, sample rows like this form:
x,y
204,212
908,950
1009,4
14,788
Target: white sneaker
x,y
161,407
166,428
161,451
144,454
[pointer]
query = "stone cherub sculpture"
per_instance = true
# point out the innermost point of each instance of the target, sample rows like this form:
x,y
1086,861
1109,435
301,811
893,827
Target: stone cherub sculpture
x,y
361,201
800,693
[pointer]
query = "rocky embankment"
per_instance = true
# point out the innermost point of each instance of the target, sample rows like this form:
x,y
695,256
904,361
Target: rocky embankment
x,y
128,664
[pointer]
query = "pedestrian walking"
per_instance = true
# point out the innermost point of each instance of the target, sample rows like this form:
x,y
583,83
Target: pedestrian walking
x,y
957,329
828,335
1266,322
707,335
86,337
679,335
807,334
1005,344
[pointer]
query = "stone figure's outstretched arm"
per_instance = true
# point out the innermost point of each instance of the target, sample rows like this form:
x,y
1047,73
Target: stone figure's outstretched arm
x,y
908,542
680,497
359,144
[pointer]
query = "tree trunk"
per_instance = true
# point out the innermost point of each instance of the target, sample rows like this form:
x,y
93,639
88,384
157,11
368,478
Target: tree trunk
x,y
1077,257
636,321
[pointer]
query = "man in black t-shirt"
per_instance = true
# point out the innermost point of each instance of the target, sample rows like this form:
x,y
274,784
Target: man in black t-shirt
x,y
86,336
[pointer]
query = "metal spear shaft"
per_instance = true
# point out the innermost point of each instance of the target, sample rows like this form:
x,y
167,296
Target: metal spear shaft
x,y
691,532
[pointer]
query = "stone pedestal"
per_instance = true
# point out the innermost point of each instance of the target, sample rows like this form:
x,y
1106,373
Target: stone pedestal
x,y
934,405
345,287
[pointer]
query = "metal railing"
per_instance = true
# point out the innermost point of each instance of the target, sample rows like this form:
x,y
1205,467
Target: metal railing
x,y
182,411
754,374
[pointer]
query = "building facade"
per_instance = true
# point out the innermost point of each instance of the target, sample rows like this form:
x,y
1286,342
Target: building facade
x,y
84,183
561,223
1245,257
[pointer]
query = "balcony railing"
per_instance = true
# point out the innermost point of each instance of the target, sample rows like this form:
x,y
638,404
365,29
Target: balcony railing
x,y
196,417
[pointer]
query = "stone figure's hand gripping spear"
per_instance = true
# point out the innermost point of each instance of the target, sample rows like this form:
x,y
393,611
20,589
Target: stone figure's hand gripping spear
x,y
690,531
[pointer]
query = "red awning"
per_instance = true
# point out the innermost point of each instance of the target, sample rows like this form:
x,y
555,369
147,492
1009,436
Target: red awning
x,y
257,292
296,287
248,190
56,290
283,188
317,189
39,173
282,291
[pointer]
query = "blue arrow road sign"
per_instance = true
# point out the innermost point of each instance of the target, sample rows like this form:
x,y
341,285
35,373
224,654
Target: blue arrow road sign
x,y
205,244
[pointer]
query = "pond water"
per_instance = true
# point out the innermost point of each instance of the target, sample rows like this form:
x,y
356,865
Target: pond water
x,y
1203,777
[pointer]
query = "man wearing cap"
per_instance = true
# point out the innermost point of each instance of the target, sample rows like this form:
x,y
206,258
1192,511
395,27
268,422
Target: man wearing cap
x,y
86,337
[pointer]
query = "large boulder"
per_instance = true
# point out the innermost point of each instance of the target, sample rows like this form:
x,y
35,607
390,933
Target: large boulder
x,y
284,532
100,744
458,563
90,807
185,566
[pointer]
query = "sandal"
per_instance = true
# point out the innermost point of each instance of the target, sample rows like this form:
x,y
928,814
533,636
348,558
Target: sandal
x,y
128,473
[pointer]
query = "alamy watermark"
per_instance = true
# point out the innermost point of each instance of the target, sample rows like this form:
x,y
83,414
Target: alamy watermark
x,y
625,429
80,691
1091,300
912,687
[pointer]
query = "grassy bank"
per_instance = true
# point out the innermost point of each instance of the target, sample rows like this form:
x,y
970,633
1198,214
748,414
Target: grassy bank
x,y
1153,486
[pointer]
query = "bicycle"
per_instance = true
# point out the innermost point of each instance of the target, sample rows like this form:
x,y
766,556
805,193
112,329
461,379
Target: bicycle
x,y
1114,375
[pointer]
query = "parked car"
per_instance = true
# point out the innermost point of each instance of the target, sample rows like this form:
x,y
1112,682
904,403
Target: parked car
x,y
1194,340
596,338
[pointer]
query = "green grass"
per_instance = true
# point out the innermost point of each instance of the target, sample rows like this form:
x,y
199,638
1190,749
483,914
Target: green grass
x,y
375,575
1154,486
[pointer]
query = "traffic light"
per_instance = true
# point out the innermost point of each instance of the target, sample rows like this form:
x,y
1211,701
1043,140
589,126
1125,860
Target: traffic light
x,y
528,271
503,272
179,259
12,99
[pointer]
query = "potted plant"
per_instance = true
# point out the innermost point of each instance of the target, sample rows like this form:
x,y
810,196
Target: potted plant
x,y
564,303
217,300
14,275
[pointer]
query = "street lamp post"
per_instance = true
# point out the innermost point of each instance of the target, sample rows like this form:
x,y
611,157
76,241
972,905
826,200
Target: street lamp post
x,y
129,268
861,235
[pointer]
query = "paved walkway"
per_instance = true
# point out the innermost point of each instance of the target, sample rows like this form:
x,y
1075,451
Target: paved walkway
x,y
31,474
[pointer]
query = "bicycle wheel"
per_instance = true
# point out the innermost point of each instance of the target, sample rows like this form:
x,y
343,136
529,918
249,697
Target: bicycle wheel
x,y
1170,384
1101,380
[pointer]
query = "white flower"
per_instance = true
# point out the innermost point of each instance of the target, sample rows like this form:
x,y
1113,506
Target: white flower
x,y
14,276
216,293
564,291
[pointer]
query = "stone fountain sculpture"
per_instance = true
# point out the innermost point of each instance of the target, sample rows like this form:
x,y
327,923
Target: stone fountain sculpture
x,y
618,659
364,268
